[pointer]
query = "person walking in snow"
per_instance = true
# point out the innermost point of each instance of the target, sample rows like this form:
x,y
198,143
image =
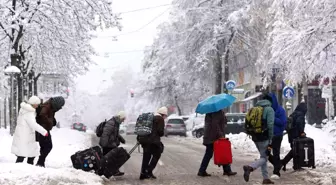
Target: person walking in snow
x,y
214,129
263,142
280,120
24,144
110,137
296,129
46,118
152,145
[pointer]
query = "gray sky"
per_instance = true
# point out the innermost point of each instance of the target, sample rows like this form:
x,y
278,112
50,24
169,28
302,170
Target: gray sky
x,y
93,80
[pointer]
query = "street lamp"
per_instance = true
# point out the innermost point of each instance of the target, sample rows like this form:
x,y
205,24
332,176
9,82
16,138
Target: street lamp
x,y
11,71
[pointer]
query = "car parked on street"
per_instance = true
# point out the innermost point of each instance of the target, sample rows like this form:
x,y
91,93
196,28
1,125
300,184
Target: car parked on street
x,y
235,125
175,126
79,126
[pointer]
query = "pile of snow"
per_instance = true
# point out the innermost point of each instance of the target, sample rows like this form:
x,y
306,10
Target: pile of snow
x,y
58,164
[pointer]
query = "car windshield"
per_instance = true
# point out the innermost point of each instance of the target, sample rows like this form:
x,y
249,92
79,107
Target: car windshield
x,y
235,118
175,121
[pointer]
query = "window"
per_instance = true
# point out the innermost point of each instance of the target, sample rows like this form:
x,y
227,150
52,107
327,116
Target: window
x,y
175,121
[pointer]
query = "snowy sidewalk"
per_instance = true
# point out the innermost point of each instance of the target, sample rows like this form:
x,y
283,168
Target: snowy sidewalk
x,y
58,171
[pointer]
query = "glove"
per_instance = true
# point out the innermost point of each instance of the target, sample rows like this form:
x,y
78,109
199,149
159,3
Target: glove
x,y
269,147
303,134
47,134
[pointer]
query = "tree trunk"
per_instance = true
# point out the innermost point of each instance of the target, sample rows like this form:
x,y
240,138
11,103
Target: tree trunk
x,y
218,72
30,83
19,82
25,88
178,107
5,111
226,59
35,83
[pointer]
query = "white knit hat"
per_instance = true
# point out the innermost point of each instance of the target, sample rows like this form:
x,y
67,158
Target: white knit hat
x,y
34,100
122,115
163,110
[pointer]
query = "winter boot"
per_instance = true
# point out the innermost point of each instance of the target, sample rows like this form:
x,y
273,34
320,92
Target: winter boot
x,y
144,175
267,181
203,174
247,172
230,173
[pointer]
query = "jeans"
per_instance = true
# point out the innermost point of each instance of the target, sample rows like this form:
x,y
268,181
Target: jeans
x,y
275,159
262,161
150,158
45,148
207,157
30,160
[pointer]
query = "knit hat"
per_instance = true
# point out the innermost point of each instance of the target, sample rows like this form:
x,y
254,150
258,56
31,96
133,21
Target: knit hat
x,y
34,100
122,115
57,103
163,111
267,97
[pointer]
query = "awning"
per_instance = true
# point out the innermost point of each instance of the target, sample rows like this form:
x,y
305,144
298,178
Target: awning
x,y
256,95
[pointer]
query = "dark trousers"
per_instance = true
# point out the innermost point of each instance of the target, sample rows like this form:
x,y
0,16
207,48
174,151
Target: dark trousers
x,y
45,148
275,158
207,157
150,158
30,160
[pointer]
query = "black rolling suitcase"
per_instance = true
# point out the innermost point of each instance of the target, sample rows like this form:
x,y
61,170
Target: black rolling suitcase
x,y
88,159
303,153
113,160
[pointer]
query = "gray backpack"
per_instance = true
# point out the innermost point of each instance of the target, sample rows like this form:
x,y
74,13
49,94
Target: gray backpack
x,y
144,124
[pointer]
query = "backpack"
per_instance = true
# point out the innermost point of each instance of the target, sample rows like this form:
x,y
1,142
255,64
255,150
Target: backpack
x,y
100,128
144,124
255,125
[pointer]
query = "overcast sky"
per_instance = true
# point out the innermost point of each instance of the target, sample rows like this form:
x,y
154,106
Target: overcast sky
x,y
124,51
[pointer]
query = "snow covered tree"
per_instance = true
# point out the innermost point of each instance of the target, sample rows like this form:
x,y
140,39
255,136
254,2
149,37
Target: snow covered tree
x,y
302,40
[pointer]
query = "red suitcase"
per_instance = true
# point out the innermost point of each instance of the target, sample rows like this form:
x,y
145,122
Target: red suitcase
x,y
222,152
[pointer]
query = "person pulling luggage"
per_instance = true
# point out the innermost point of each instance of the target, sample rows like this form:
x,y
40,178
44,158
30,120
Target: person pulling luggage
x,y
110,137
150,129
214,129
295,129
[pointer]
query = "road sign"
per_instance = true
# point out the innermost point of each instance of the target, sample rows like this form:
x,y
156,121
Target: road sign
x,y
230,85
326,91
288,92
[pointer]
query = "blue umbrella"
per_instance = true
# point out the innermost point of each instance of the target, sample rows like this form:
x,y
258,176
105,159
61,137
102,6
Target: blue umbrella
x,y
215,103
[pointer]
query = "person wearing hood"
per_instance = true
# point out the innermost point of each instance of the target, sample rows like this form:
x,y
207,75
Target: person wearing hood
x,y
280,120
46,118
111,138
24,144
263,142
296,130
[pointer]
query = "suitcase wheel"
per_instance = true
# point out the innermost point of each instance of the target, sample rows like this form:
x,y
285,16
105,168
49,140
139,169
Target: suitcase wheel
x,y
314,167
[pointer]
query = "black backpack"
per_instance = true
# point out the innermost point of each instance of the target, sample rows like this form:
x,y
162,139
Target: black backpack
x,y
144,124
100,128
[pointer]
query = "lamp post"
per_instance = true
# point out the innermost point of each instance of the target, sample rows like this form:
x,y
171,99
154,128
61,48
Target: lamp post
x,y
11,71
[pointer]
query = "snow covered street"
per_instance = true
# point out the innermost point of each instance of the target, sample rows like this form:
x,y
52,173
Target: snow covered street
x,y
178,165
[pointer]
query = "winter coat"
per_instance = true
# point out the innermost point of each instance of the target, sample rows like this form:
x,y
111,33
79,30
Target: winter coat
x,y
280,118
268,115
111,137
299,122
46,117
157,132
24,143
214,127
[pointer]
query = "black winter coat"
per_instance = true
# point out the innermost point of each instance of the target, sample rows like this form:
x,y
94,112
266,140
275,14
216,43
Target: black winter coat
x,y
299,122
157,132
111,137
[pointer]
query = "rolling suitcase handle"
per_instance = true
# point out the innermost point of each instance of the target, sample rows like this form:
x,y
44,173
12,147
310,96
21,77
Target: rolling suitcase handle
x,y
135,146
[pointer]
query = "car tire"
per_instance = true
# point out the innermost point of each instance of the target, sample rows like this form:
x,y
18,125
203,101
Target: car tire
x,y
199,134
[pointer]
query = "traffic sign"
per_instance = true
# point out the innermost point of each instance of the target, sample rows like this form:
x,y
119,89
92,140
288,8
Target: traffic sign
x,y
288,92
230,85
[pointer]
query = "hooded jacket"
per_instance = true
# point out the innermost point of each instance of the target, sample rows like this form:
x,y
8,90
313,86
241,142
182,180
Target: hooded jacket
x,y
24,144
280,118
299,122
268,115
